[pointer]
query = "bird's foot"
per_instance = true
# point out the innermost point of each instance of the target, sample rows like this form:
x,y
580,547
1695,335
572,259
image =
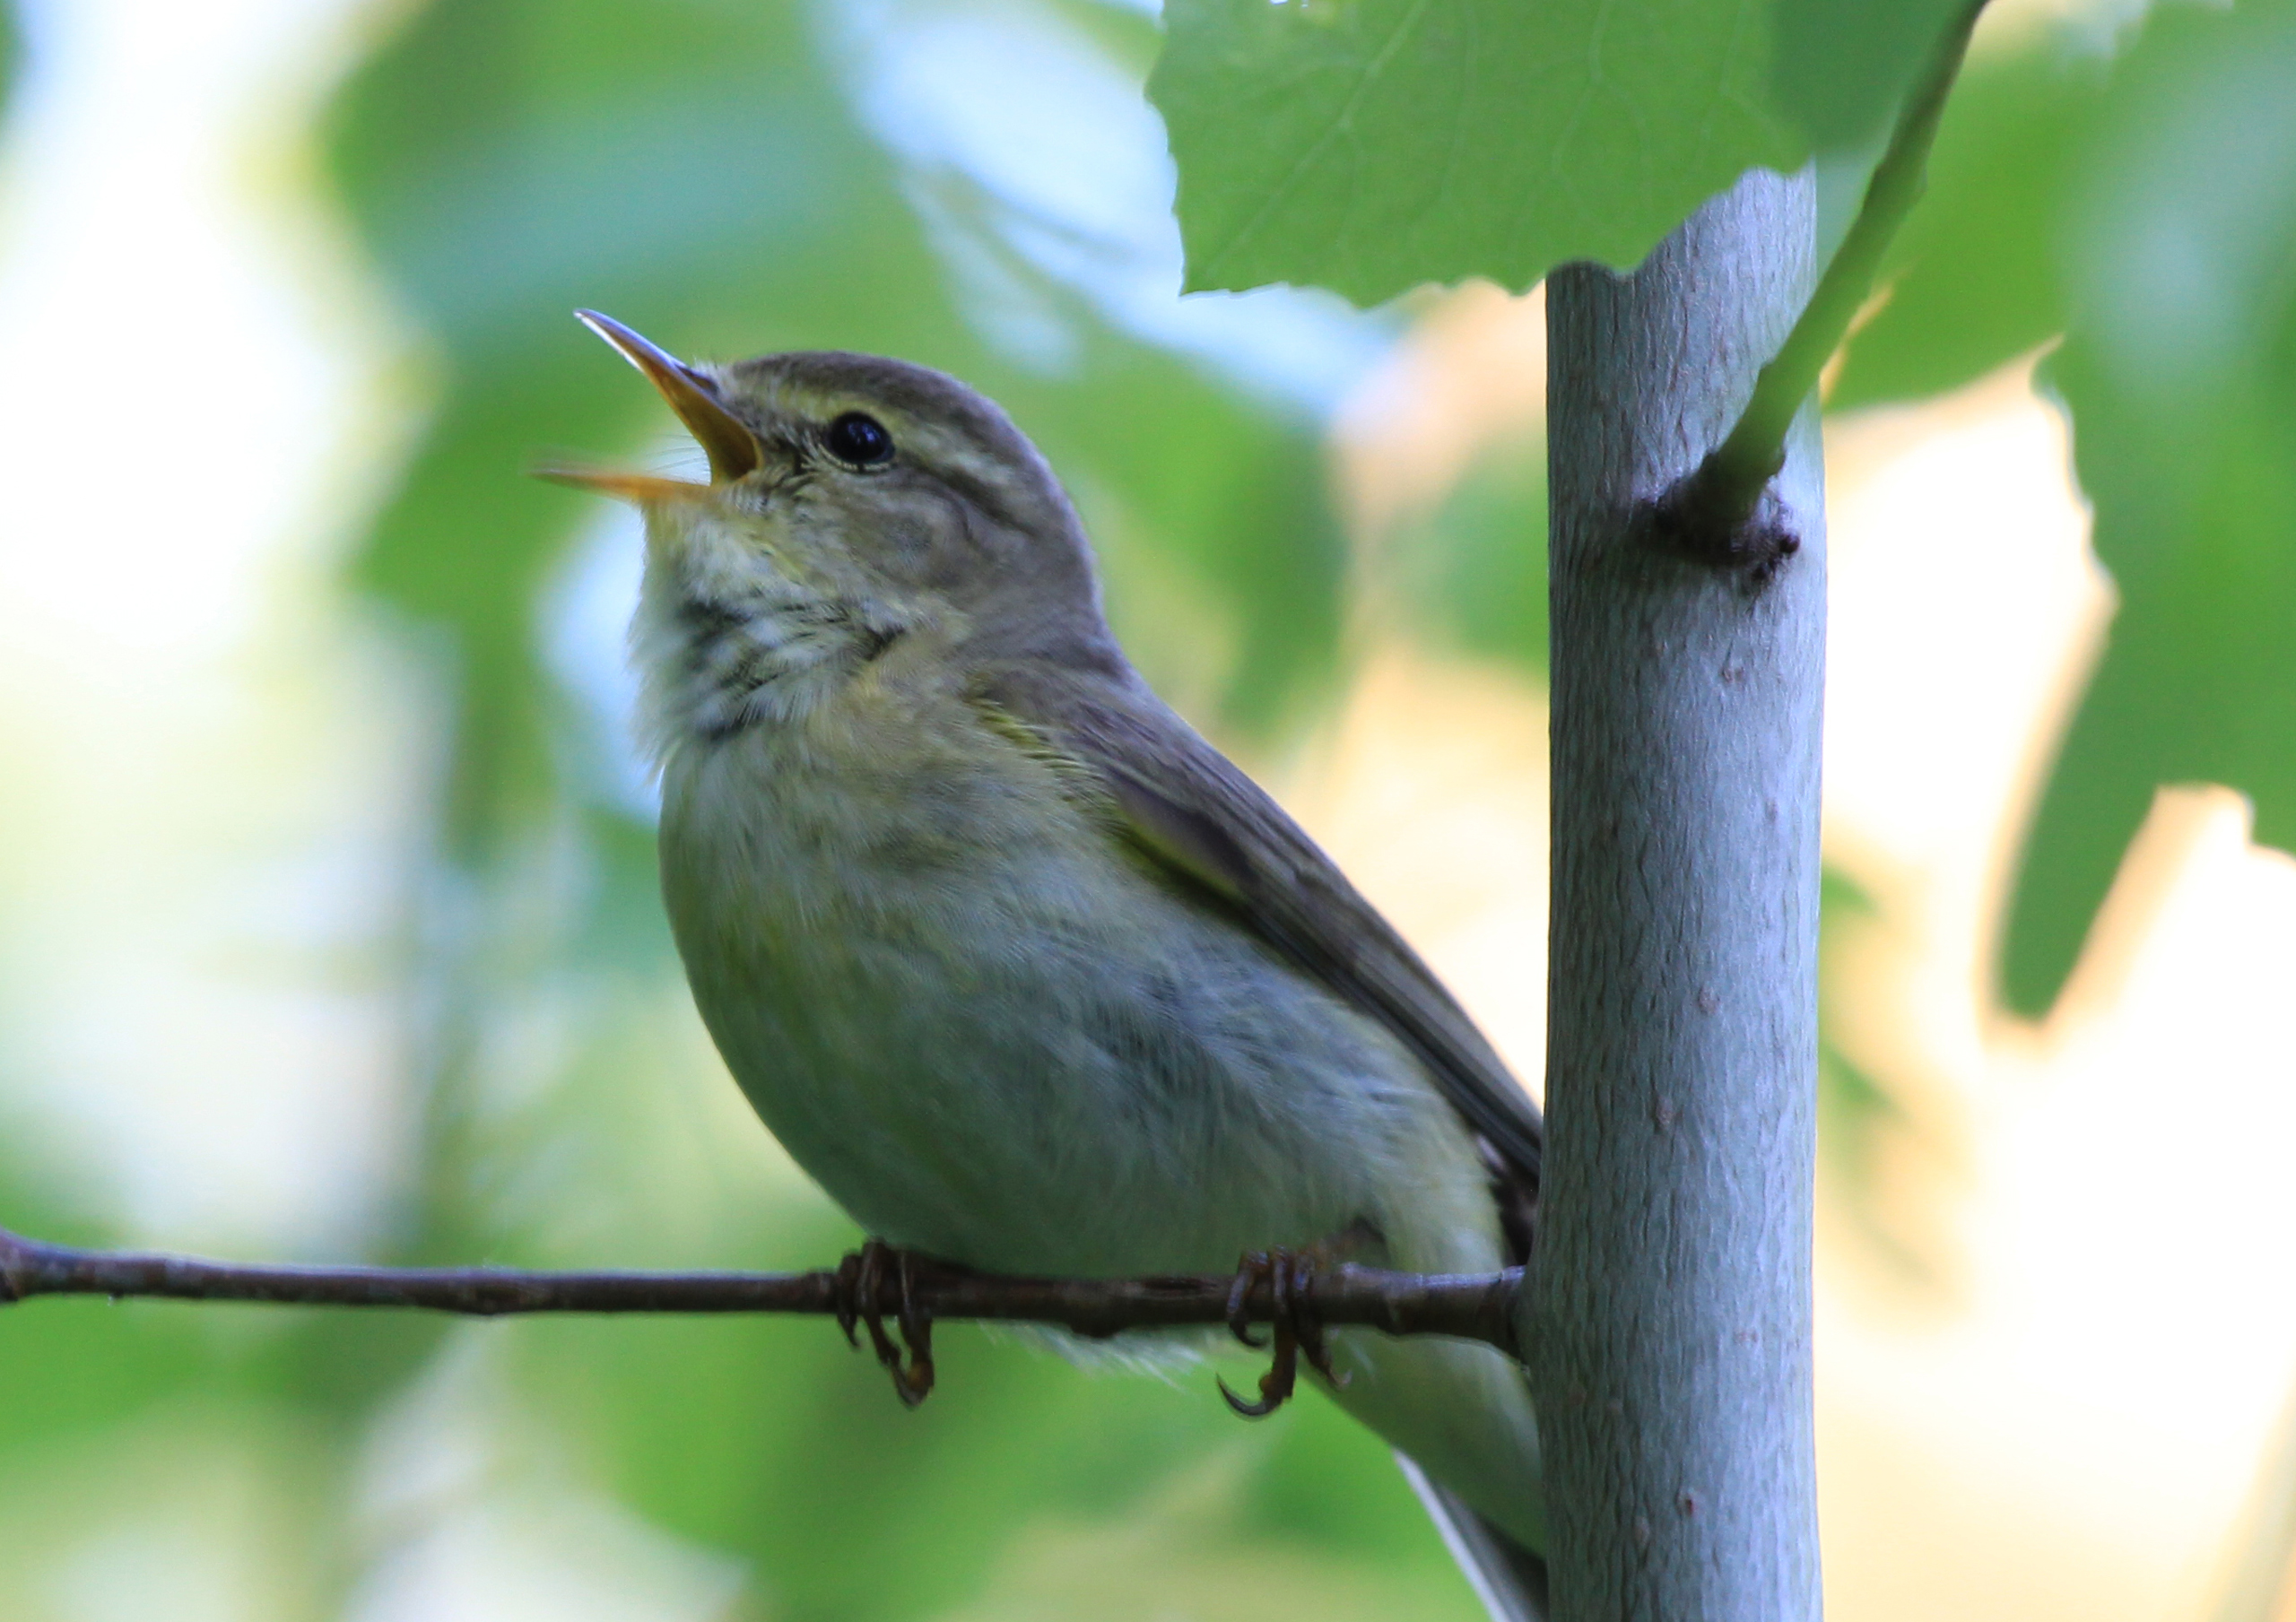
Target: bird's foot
x,y
1290,1278
860,1280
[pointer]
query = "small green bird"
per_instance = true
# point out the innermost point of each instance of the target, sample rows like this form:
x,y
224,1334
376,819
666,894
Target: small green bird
x,y
1025,973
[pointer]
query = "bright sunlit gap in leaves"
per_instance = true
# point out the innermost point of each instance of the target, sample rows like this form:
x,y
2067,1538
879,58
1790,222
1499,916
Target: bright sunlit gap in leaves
x,y
2071,1416
2049,1388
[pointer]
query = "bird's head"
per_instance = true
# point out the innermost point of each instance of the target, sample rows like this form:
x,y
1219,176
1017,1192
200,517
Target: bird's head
x,y
857,509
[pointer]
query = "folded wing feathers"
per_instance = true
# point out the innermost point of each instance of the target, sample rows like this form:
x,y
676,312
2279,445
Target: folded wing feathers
x,y
1184,805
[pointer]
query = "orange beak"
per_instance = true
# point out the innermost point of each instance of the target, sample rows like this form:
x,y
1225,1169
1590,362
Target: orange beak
x,y
732,449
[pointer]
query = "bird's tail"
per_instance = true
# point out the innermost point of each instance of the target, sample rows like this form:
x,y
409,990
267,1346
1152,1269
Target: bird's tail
x,y
1508,1578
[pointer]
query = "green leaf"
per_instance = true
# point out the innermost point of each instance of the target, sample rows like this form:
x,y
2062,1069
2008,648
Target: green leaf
x,y
2180,374
1370,145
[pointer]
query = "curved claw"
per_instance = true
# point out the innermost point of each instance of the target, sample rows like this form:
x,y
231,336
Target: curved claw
x,y
1250,1410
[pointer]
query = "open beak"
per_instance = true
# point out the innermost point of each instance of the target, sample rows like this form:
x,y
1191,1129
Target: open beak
x,y
732,449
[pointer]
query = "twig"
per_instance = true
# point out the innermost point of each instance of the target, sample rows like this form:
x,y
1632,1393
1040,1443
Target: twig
x,y
1710,510
1474,1307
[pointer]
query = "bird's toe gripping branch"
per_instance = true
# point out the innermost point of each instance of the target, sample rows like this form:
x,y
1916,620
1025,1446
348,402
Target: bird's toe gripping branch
x,y
860,1280
1289,1278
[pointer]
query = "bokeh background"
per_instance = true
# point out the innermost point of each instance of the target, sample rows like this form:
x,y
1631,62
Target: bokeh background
x,y
327,916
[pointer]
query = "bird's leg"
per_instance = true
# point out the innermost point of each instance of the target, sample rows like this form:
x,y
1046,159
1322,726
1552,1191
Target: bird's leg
x,y
859,1280
1249,1270
1290,1276
914,1382
1305,1324
1275,1387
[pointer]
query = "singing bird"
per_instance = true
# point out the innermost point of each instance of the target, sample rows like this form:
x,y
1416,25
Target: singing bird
x,y
1021,970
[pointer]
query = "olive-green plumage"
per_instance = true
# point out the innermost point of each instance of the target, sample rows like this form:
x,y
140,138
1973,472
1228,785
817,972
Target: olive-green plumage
x,y
1019,967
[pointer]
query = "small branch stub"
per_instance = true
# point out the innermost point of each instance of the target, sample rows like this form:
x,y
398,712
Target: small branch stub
x,y
1701,518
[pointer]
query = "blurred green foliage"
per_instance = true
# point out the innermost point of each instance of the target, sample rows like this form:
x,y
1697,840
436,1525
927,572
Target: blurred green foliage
x,y
787,1449
1474,569
1972,280
2142,204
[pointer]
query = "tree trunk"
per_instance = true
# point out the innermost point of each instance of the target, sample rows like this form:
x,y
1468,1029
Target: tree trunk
x,y
1670,1327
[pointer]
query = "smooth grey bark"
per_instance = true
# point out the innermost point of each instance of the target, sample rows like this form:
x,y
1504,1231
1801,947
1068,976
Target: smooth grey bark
x,y
1670,1331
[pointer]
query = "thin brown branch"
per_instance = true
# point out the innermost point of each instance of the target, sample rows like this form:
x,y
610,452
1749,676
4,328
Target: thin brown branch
x,y
1474,1307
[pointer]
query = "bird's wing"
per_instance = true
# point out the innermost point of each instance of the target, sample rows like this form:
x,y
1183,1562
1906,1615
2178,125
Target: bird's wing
x,y
1186,807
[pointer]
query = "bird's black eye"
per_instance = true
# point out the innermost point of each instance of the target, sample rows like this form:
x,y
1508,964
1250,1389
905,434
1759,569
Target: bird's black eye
x,y
859,440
